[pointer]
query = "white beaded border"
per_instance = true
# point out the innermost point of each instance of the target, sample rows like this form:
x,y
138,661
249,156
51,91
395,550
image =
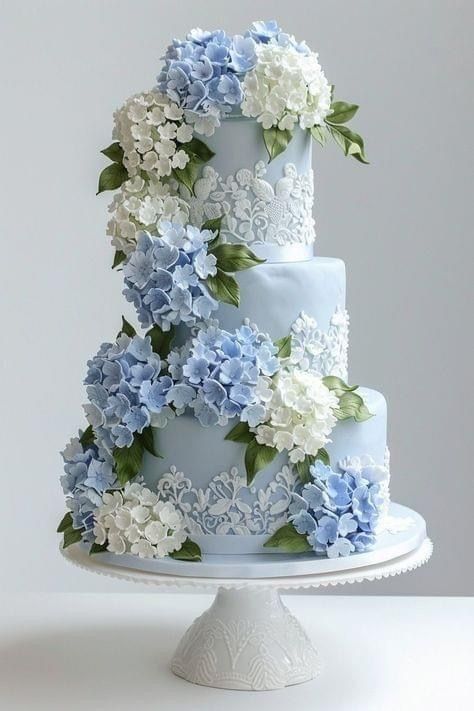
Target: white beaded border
x,y
406,563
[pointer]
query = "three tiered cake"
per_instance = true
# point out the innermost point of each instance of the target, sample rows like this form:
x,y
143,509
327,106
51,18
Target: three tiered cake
x,y
224,423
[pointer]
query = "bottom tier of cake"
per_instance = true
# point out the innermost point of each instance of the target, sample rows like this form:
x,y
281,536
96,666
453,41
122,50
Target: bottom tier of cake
x,y
204,476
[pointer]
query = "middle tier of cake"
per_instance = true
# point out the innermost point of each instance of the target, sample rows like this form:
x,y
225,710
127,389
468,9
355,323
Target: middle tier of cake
x,y
302,298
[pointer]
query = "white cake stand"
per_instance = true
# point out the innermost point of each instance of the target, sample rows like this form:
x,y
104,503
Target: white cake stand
x,y
248,639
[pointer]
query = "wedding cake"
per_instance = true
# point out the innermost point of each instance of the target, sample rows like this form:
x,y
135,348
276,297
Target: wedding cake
x,y
222,422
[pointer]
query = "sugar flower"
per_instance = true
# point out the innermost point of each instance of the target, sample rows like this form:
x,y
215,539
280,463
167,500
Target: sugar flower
x,y
126,391
88,473
136,521
152,130
286,87
299,413
200,73
217,373
339,511
165,275
142,205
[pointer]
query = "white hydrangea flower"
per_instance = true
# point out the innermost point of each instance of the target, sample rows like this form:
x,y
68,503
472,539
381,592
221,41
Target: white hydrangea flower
x,y
204,124
136,521
299,413
150,129
286,87
140,205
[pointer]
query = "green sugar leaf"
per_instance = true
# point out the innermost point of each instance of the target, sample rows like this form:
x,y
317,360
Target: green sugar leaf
x,y
112,177
87,438
189,551
197,148
128,461
319,134
257,457
114,152
96,548
188,175
352,405
72,535
235,257
276,140
337,385
323,456
119,257
240,433
224,287
284,347
65,523
146,438
341,112
127,328
350,142
288,539
161,340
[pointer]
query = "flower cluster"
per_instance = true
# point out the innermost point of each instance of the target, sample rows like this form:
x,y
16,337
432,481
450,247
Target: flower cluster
x,y
136,521
126,391
217,374
152,130
339,511
142,204
164,276
88,473
200,73
299,413
286,87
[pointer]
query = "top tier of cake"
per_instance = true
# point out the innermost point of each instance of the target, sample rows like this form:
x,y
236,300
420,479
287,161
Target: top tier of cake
x,y
267,205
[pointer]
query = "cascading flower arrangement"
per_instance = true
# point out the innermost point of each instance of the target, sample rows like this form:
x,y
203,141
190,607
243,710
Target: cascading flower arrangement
x,y
175,275
157,153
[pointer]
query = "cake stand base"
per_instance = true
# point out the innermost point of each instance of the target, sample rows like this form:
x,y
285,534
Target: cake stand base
x,y
246,640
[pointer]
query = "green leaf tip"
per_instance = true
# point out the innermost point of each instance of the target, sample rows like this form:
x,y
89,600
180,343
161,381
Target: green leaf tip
x,y
276,140
128,460
224,287
284,346
161,340
112,177
235,257
257,457
189,551
240,433
341,112
288,539
127,328
350,142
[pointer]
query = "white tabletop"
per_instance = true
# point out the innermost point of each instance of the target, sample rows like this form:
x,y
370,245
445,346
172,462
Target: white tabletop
x,y
108,651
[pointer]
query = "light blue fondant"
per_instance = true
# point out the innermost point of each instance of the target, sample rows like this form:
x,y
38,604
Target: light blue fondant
x,y
238,143
273,295
201,453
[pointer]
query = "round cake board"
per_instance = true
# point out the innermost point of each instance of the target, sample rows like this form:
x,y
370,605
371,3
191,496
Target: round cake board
x,y
406,530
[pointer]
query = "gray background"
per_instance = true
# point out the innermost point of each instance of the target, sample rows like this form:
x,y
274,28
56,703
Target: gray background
x,y
401,225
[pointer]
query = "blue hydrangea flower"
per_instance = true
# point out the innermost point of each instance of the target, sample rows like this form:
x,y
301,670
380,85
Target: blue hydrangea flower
x,y
339,511
265,32
126,390
164,276
216,374
88,473
200,73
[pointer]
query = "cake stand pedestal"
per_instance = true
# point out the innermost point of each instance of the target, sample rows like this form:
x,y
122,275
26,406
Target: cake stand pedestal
x,y
248,639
